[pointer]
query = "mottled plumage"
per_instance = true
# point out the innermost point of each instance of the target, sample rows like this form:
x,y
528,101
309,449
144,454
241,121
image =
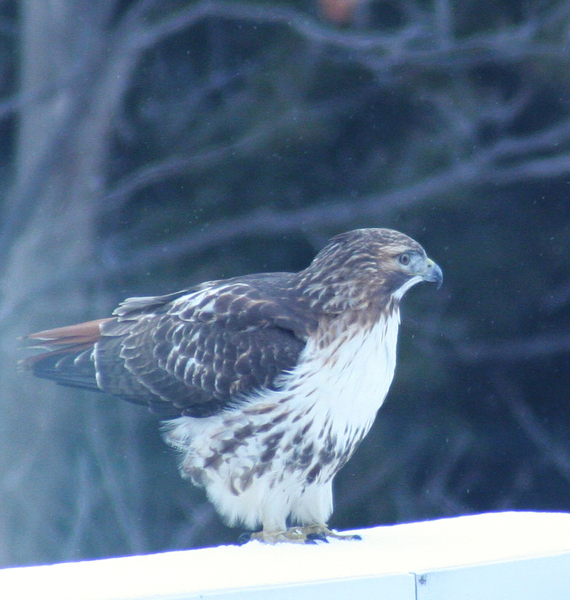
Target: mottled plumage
x,y
267,382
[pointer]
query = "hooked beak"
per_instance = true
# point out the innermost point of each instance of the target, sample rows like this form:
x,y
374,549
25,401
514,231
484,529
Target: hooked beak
x,y
433,273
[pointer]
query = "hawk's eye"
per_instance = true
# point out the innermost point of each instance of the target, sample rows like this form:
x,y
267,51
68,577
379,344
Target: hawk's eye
x,y
404,259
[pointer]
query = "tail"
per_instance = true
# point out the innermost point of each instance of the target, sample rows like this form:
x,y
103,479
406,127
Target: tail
x,y
69,356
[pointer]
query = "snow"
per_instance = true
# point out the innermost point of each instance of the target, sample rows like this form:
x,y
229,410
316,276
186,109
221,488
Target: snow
x,y
383,552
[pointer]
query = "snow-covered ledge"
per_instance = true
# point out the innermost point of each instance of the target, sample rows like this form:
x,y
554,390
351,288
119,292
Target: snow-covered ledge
x,y
503,556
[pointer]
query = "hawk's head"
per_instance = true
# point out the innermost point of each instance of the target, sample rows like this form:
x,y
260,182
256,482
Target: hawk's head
x,y
367,268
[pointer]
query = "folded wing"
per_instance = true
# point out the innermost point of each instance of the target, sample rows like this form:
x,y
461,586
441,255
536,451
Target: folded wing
x,y
191,353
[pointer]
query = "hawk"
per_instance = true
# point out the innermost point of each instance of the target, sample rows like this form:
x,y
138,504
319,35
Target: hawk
x,y
267,383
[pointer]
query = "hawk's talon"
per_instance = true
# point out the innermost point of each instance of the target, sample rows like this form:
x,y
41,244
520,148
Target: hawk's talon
x,y
311,534
316,536
244,538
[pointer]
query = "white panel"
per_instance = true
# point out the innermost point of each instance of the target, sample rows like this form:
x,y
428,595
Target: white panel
x,y
389,587
499,556
546,578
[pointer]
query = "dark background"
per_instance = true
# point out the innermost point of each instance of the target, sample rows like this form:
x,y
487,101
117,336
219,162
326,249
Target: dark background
x,y
150,145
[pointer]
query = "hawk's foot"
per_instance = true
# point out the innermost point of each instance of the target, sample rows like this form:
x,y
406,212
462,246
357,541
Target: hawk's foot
x,y
310,534
322,533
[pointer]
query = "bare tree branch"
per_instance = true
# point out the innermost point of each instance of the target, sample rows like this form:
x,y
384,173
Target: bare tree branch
x,y
534,169
514,350
402,47
550,449
148,35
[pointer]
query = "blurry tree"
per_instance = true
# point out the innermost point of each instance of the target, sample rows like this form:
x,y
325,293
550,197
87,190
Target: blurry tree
x,y
149,145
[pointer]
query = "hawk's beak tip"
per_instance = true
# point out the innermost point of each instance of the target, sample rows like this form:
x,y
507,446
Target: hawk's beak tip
x,y
434,274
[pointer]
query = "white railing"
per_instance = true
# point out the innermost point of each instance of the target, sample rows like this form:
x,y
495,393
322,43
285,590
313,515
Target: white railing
x,y
502,556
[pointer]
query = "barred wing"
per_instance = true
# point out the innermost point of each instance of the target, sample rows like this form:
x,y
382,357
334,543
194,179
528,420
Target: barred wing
x,y
192,353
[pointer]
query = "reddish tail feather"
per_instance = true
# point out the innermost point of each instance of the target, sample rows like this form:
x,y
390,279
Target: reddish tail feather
x,y
71,339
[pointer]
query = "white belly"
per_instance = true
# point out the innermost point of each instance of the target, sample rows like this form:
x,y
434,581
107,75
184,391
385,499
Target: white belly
x,y
275,456
353,380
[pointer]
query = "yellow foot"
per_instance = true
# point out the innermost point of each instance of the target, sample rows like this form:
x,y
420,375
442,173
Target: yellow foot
x,y
322,532
310,534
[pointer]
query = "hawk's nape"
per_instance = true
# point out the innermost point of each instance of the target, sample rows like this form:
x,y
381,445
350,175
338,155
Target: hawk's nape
x,y
268,382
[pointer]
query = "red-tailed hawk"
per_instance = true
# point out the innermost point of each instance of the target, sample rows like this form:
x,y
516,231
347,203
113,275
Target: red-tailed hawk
x,y
267,382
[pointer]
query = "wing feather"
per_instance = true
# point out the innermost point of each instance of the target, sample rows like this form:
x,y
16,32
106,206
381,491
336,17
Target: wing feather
x,y
209,349
192,353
